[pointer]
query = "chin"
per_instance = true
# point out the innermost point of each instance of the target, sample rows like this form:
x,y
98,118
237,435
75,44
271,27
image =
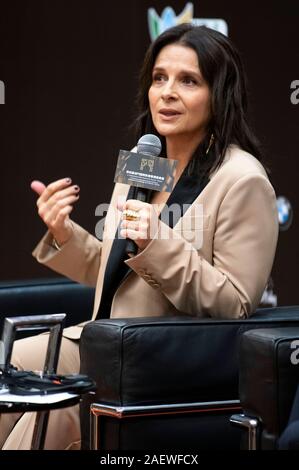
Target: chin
x,y
166,131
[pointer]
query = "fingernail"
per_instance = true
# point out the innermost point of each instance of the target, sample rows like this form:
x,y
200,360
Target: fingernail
x,y
68,180
76,188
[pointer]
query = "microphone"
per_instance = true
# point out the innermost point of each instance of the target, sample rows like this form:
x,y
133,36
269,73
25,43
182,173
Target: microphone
x,y
148,144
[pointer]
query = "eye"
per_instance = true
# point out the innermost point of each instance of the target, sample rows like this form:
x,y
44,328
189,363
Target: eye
x,y
188,80
158,77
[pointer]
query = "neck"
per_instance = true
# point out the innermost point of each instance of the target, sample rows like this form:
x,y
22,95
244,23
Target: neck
x,y
181,150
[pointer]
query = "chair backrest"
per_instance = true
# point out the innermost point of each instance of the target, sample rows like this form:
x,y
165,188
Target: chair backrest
x,y
46,296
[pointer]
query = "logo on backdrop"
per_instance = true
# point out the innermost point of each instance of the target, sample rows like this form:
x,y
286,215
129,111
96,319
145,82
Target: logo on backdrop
x,y
285,218
2,92
295,94
157,24
285,213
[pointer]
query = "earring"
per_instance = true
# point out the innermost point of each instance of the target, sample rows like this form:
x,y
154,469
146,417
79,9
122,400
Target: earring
x,y
212,138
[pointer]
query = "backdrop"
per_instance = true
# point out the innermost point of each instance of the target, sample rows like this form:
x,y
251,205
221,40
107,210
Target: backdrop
x,y
68,75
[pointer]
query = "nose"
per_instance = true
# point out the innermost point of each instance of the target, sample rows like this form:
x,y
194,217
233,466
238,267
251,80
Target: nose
x,y
169,91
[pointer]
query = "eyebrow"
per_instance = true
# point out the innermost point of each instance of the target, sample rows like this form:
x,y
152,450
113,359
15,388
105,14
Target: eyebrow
x,y
183,72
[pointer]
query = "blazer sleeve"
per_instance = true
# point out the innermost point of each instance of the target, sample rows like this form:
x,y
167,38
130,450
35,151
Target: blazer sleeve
x,y
79,259
244,244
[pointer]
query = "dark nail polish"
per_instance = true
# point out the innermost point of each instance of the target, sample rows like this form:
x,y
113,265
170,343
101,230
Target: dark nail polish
x,y
76,188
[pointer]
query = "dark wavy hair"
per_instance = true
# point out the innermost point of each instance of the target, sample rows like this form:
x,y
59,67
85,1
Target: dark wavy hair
x,y
222,69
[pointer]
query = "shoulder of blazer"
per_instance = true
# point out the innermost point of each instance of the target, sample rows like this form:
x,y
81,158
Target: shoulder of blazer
x,y
237,164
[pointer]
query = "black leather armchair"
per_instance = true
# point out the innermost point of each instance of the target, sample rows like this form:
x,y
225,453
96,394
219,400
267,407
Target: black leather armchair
x,y
268,380
46,296
167,382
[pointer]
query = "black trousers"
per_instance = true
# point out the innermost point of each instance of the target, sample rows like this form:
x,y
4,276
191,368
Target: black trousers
x,y
289,439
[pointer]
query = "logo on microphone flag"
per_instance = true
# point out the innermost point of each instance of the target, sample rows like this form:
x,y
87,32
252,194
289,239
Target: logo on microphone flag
x,y
145,171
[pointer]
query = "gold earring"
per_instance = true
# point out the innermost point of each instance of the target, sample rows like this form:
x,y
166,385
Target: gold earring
x,y
212,138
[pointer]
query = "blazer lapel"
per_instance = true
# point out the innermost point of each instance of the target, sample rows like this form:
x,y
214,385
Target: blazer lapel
x,y
183,195
115,270
111,224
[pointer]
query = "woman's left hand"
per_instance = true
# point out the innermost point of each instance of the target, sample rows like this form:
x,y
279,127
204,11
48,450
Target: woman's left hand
x,y
145,224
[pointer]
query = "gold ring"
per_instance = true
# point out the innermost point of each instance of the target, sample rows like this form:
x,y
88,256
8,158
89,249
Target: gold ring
x,y
129,214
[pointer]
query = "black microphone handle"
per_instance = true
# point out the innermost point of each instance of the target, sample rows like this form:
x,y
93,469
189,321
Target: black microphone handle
x,y
141,195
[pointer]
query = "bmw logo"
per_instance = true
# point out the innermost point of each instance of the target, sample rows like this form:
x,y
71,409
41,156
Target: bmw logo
x,y
285,213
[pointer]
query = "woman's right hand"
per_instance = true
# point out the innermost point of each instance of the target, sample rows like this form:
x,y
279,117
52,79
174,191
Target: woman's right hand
x,y
55,203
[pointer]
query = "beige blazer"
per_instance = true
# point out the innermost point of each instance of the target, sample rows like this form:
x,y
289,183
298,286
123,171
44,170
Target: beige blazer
x,y
215,262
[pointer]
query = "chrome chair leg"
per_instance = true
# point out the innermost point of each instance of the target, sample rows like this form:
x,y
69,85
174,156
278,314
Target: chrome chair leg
x,y
249,423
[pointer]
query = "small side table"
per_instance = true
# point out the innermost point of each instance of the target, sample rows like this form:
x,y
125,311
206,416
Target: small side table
x,y
42,404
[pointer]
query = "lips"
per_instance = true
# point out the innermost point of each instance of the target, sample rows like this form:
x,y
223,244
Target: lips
x,y
168,112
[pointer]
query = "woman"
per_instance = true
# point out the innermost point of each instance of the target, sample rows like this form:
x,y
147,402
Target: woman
x,y
192,95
